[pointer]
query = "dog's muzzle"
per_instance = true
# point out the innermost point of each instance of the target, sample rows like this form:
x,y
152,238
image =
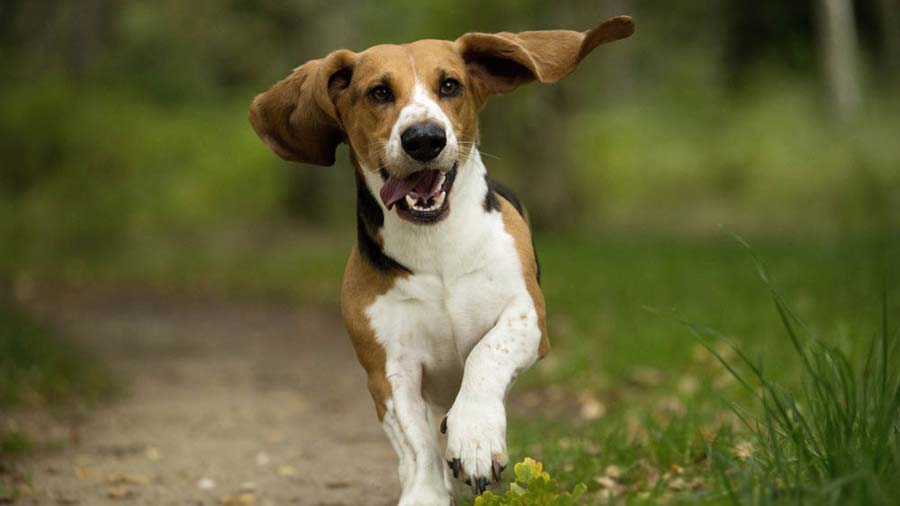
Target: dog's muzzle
x,y
420,197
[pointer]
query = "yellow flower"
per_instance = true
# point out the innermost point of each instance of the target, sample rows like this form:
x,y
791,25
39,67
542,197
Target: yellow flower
x,y
530,469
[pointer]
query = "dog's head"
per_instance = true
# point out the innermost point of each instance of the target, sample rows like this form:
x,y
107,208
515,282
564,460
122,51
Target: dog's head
x,y
410,112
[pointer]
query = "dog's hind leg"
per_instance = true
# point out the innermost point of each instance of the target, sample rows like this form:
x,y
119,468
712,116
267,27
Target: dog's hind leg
x,y
398,442
436,414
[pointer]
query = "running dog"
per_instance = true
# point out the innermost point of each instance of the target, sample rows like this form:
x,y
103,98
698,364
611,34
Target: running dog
x,y
441,294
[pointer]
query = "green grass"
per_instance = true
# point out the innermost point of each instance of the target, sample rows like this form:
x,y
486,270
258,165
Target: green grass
x,y
661,432
836,439
663,396
38,370
663,427
598,289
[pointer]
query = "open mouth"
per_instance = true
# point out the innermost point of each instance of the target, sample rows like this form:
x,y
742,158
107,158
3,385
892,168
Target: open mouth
x,y
421,197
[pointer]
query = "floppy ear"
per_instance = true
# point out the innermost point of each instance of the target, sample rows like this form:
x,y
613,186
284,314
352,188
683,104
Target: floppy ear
x,y
500,62
297,118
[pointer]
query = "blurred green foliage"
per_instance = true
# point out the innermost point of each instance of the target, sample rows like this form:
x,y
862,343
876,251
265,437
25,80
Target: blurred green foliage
x,y
124,122
39,369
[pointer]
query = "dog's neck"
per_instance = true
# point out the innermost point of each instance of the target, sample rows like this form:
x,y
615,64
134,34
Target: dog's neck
x,y
393,243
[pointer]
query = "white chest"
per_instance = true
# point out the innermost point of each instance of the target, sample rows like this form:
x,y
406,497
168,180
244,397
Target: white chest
x,y
465,272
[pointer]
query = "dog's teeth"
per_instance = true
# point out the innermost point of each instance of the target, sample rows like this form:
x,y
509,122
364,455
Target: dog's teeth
x,y
440,183
432,204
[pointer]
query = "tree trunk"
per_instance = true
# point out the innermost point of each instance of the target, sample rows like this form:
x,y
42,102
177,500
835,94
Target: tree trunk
x,y
889,14
552,171
622,81
558,202
840,55
87,24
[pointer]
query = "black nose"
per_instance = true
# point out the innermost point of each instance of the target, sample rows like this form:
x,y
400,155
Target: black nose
x,y
423,141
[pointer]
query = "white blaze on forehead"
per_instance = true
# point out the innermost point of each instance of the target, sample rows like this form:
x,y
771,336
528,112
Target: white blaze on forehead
x,y
421,108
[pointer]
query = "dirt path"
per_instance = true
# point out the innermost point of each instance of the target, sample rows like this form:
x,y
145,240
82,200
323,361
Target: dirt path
x,y
227,403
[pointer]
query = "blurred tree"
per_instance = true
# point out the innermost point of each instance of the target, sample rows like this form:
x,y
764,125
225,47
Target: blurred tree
x,y
761,33
889,16
838,38
548,164
91,20
692,94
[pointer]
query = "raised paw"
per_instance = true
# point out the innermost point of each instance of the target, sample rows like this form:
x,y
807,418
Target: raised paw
x,y
476,441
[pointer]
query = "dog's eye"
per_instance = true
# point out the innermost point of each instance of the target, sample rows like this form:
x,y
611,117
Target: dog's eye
x,y
381,94
450,88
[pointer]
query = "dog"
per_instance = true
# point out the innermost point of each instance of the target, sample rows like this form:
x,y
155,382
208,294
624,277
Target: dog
x,y
441,294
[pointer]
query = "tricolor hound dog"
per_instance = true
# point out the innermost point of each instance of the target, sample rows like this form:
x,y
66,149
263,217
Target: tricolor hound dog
x,y
440,295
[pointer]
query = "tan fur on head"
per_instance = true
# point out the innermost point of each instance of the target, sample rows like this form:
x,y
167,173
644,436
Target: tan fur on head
x,y
324,102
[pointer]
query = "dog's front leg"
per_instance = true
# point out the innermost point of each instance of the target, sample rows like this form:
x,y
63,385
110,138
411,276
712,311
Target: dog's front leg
x,y
407,425
476,423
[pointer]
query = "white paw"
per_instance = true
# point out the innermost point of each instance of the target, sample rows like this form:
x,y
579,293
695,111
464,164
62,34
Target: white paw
x,y
476,440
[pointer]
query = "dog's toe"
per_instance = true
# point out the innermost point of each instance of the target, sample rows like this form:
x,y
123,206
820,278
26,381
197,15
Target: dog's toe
x,y
476,443
497,470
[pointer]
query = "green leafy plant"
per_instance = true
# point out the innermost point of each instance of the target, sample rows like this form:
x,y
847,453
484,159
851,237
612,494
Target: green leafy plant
x,y
532,487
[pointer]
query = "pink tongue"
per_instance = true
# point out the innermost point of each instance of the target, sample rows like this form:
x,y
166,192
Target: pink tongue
x,y
421,183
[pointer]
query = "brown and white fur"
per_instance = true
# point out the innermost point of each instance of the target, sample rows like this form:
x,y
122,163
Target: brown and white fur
x,y
440,296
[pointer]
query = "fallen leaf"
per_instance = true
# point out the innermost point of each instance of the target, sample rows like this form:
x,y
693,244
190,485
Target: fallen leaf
x,y
677,484
153,453
724,350
614,472
119,493
126,479
672,406
610,486
743,450
592,409
604,496
206,484
645,376
606,482
287,471
723,380
688,385
83,473
709,435
240,500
